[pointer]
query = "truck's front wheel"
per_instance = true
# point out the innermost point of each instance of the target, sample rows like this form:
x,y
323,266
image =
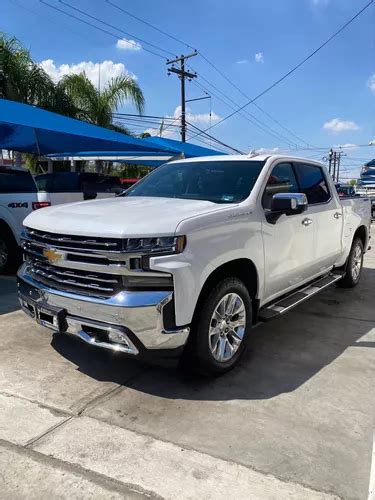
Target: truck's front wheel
x,y
220,331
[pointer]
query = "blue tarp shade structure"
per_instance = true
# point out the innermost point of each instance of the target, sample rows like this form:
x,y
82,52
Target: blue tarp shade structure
x,y
33,130
187,149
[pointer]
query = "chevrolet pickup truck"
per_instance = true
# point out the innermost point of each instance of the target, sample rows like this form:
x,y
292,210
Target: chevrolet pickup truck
x,y
192,256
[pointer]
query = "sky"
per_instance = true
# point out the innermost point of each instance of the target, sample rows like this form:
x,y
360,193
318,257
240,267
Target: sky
x,y
329,101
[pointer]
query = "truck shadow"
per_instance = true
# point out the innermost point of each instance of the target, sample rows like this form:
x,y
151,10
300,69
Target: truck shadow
x,y
8,294
283,355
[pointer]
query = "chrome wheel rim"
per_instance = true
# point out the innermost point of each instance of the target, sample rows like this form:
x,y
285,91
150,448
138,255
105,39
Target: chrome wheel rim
x,y
227,327
357,262
3,253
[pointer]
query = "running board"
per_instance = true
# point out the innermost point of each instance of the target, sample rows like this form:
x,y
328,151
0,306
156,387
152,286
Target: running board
x,y
271,311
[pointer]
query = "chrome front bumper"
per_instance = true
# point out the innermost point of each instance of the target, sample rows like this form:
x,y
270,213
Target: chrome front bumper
x,y
135,319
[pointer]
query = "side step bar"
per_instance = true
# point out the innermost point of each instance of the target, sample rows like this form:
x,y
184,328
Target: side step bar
x,y
275,309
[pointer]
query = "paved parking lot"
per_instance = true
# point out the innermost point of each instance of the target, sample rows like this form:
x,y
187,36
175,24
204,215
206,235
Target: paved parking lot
x,y
295,420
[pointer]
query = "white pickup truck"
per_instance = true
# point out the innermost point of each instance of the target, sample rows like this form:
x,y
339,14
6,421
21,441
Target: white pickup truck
x,y
18,198
192,256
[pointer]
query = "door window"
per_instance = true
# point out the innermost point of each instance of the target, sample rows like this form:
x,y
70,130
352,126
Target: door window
x,y
281,180
16,181
313,183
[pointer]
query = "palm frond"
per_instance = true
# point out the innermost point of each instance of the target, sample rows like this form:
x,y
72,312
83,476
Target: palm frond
x,y
121,89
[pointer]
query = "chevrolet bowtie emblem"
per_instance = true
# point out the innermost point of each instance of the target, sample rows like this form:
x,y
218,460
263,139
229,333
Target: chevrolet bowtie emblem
x,y
52,255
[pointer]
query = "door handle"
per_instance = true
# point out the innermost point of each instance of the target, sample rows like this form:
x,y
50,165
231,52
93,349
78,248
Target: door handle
x,y
337,215
307,221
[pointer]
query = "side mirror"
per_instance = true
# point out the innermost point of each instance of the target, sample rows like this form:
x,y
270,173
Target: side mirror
x,y
288,204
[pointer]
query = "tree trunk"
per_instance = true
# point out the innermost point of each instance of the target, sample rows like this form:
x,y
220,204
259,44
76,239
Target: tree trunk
x,y
98,166
18,158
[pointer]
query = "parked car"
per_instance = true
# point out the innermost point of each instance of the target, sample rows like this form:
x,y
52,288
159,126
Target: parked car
x,y
68,187
18,198
192,256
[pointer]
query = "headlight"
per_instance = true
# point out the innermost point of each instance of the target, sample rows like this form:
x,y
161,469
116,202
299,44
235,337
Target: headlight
x,y
164,244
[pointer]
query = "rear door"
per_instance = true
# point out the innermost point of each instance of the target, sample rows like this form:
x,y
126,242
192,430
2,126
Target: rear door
x,y
325,211
288,244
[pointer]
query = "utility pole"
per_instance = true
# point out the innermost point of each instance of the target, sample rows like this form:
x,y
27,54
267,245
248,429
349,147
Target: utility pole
x,y
334,166
330,156
182,74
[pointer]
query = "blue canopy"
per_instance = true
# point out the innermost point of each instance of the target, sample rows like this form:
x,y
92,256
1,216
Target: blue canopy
x,y
187,149
31,129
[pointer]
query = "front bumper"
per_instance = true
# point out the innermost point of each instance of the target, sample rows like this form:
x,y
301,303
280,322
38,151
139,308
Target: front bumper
x,y
134,319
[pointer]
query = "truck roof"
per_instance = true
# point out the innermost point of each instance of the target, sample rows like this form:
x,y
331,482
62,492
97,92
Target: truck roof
x,y
250,157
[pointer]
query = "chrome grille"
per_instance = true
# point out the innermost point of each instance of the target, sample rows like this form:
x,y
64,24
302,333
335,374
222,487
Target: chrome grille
x,y
88,266
96,284
76,242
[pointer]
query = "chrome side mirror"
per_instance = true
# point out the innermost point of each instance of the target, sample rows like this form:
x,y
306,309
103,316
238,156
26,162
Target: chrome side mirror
x,y
288,204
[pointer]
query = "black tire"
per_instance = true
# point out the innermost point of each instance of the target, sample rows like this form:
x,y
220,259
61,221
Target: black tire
x,y
352,271
9,251
198,356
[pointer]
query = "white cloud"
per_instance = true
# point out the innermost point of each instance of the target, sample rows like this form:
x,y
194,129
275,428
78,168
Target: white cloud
x,y
108,70
320,3
371,83
125,44
167,132
337,125
203,118
242,61
259,57
348,145
263,151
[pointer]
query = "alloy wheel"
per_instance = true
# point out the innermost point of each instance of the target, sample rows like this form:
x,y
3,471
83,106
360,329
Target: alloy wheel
x,y
227,327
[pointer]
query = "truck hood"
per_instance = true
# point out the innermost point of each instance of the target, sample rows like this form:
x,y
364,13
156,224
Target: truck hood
x,y
120,217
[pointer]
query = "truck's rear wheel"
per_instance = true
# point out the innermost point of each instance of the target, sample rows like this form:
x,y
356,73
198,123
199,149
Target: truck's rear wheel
x,y
221,329
353,265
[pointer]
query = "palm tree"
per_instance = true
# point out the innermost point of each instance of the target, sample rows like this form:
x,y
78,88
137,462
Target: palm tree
x,y
22,80
97,106
25,81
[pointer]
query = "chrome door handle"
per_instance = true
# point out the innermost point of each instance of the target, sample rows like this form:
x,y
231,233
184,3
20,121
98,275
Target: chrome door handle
x,y
307,221
337,215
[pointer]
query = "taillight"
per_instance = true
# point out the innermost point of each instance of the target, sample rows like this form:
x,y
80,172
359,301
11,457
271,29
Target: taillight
x,y
40,204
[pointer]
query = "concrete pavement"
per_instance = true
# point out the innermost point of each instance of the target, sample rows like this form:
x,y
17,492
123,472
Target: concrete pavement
x,y
295,420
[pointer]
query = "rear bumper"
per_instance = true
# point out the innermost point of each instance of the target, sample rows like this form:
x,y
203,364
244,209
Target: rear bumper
x,y
130,322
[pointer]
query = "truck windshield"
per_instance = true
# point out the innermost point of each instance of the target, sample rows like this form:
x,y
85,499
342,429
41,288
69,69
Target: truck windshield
x,y
215,181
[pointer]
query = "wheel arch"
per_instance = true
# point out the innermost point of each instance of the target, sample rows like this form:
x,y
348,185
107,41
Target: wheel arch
x,y
361,233
243,269
4,226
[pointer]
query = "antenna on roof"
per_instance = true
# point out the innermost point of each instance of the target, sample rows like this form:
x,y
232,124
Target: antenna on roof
x,y
252,153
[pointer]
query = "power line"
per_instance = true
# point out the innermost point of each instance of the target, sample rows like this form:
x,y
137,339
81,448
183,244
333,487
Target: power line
x,y
247,97
149,24
115,28
93,25
292,70
246,114
211,64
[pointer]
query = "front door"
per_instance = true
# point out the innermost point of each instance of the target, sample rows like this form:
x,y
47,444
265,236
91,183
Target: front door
x,y
288,244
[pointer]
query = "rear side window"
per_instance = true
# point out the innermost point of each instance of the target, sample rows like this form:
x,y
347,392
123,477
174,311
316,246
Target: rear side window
x,y
65,182
313,183
16,181
58,182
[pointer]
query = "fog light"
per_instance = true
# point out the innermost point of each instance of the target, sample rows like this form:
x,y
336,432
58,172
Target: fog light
x,y
117,337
